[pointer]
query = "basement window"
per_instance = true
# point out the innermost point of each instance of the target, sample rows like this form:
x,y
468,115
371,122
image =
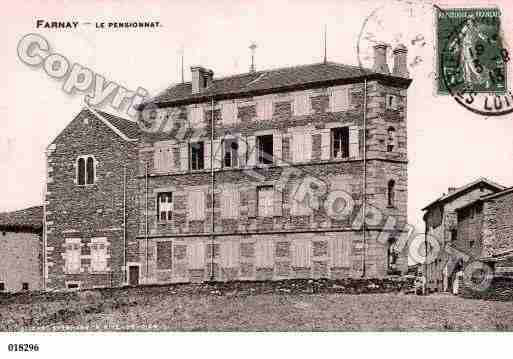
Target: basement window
x,y
197,155
265,149
231,154
340,142
165,206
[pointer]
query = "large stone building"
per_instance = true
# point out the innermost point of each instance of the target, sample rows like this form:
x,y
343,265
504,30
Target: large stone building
x,y
21,250
446,222
254,176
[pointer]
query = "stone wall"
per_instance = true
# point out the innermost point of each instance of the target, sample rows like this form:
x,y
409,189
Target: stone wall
x,y
21,259
89,211
498,224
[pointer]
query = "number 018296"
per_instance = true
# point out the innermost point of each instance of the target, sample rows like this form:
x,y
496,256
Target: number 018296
x,y
23,347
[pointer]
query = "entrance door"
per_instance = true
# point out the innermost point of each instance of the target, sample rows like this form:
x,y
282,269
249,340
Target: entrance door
x,y
133,275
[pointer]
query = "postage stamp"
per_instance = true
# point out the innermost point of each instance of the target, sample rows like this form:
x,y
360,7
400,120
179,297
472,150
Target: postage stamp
x,y
471,51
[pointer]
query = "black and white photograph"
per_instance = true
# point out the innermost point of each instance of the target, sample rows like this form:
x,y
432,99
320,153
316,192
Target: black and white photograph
x,y
195,173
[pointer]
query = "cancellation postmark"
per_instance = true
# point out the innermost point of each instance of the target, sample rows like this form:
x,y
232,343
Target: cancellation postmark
x,y
472,57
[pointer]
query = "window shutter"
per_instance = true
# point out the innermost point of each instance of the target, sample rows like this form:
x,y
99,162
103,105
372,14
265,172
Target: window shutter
x,y
252,151
353,141
168,158
241,141
277,148
229,113
300,104
297,146
184,156
196,255
218,153
278,203
230,203
301,253
264,253
157,159
229,254
196,205
339,99
196,115
252,203
264,108
325,144
307,150
206,155
340,252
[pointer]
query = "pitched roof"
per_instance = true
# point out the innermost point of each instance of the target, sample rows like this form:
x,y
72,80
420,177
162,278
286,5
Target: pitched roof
x,y
267,80
498,194
127,129
27,219
462,189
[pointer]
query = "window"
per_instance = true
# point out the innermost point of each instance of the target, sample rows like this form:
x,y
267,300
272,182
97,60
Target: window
x,y
2,286
391,254
98,254
301,146
72,262
231,153
454,234
230,203
265,149
24,286
471,244
86,170
390,139
197,155
392,102
165,206
72,285
196,205
340,142
391,193
265,199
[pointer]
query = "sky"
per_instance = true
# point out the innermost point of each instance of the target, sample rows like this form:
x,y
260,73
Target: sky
x,y
447,144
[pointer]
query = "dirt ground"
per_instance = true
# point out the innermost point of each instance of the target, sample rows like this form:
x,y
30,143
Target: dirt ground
x,y
177,309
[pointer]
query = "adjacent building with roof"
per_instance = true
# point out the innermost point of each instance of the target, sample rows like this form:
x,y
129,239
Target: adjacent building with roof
x,y
453,222
21,250
257,176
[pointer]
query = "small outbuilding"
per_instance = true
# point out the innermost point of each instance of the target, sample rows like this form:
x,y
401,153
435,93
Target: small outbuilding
x,y
21,250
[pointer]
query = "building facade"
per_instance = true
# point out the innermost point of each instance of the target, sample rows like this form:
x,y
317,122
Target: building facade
x,y
258,176
21,250
485,230
448,224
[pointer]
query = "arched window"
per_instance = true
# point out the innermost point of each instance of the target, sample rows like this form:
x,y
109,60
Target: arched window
x,y
90,170
85,170
81,171
390,139
391,193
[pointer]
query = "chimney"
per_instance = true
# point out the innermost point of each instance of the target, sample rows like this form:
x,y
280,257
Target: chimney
x,y
201,78
400,66
380,59
451,189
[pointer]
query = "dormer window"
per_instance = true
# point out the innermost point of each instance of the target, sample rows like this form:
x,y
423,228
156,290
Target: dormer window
x,y
86,170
